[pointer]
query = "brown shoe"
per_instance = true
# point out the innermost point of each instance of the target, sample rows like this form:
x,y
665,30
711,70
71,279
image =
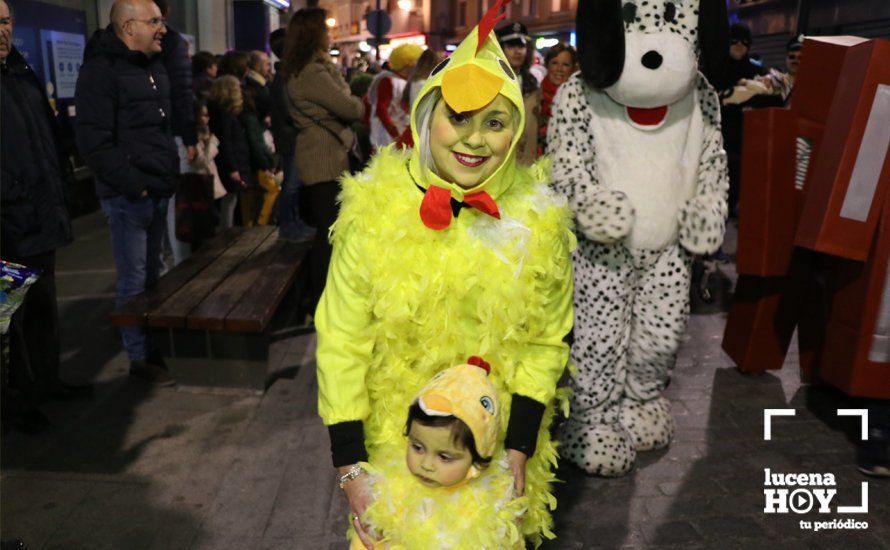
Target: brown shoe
x,y
155,375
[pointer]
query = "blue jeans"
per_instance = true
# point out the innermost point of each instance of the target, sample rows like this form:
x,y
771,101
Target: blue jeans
x,y
137,229
290,226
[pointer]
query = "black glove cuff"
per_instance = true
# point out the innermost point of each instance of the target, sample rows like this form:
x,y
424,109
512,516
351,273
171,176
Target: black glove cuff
x,y
347,443
525,420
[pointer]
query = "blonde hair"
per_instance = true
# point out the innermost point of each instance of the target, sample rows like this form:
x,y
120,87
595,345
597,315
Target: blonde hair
x,y
226,93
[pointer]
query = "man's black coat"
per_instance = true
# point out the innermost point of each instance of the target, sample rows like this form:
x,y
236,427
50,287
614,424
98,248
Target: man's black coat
x,y
35,170
123,120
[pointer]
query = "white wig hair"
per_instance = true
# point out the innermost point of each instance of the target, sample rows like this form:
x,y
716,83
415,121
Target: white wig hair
x,y
424,117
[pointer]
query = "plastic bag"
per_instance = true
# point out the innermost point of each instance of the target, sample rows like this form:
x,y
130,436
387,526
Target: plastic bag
x,y
14,282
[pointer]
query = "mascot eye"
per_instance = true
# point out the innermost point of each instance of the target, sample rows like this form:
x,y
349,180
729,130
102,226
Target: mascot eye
x,y
670,12
487,404
629,12
440,66
506,68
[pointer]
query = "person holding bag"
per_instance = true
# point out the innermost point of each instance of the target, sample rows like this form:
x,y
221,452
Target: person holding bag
x,y
322,108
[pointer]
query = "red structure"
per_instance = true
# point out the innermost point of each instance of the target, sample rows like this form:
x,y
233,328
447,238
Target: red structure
x,y
814,224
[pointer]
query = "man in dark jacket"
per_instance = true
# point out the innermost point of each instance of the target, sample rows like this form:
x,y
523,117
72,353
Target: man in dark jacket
x,y
740,67
125,135
257,83
284,133
175,57
35,223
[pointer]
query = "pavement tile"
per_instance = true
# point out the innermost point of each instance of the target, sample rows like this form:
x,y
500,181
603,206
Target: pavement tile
x,y
730,528
671,532
33,507
139,521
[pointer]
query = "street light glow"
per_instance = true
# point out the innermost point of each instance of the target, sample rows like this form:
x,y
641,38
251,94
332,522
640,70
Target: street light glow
x,y
331,22
406,5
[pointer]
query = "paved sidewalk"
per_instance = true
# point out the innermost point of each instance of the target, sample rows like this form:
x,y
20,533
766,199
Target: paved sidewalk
x,y
137,467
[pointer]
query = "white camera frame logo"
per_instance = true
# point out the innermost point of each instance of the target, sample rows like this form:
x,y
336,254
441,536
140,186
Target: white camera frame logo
x,y
803,499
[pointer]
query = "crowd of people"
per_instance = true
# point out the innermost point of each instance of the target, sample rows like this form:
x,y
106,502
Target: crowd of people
x,y
184,146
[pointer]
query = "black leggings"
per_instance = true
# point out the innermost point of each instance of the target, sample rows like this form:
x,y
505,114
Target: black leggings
x,y
319,208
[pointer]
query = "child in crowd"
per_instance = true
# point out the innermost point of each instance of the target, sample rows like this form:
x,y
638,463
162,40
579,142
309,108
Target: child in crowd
x,y
206,150
200,186
233,161
262,161
450,495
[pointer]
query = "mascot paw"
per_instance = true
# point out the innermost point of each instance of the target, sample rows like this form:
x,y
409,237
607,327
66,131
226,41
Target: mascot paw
x,y
602,449
605,216
651,424
702,223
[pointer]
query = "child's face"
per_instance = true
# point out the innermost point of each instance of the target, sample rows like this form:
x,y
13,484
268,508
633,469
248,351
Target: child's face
x,y
469,147
434,458
203,118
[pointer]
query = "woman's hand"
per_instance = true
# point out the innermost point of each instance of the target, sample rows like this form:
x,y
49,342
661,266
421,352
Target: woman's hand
x,y
236,177
517,460
359,496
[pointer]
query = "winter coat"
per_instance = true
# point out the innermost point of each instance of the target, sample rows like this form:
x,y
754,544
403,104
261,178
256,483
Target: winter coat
x,y
261,158
322,108
731,115
175,56
258,87
283,129
123,126
34,167
234,153
206,151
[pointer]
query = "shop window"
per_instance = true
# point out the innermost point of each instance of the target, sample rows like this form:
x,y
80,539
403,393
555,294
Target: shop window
x,y
529,8
557,6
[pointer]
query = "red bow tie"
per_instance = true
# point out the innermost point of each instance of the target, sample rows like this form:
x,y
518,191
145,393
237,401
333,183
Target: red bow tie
x,y
438,207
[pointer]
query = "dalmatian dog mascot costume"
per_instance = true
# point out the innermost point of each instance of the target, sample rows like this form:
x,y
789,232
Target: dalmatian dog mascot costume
x,y
637,151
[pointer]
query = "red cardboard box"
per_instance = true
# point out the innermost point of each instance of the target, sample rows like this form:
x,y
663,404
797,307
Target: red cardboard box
x,y
769,203
856,352
849,173
760,323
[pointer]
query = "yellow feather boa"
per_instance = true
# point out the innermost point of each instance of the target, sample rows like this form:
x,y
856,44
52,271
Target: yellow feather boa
x,y
480,513
477,288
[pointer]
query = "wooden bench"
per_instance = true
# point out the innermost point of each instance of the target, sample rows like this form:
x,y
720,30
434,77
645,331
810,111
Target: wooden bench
x,y
210,316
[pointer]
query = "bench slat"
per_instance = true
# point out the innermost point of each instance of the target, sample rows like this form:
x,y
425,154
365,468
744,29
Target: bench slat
x,y
211,312
174,311
258,305
134,312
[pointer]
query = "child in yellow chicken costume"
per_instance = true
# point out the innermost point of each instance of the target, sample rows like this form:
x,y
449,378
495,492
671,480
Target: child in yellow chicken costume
x,y
451,487
441,252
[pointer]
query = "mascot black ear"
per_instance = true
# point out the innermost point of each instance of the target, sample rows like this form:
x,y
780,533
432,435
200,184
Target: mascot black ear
x,y
713,41
600,35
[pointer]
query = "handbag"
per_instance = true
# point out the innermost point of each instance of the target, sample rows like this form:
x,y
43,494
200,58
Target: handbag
x,y
354,155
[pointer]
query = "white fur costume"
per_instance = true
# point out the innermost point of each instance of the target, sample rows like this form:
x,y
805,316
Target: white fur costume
x,y
646,196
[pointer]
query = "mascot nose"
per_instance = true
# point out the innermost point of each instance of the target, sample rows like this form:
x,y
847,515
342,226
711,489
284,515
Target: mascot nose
x,y
652,60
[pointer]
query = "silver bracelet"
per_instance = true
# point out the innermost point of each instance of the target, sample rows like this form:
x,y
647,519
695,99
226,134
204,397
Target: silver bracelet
x,y
353,473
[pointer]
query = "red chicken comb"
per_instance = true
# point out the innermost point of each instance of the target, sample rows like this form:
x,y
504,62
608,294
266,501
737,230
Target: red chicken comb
x,y
481,363
489,20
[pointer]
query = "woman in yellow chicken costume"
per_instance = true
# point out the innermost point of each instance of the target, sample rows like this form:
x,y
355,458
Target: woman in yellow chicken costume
x,y
443,252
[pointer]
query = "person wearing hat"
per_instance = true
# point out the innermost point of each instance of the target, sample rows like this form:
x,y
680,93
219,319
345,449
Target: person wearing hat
x,y
517,45
457,491
388,116
780,84
444,250
740,69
